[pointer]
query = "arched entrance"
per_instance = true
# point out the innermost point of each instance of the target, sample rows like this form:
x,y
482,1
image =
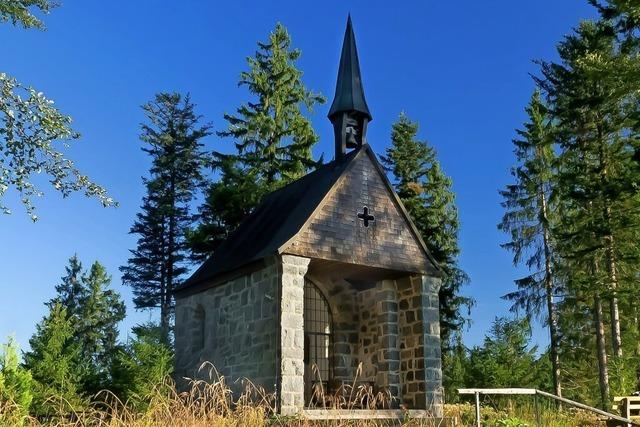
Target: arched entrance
x,y
317,340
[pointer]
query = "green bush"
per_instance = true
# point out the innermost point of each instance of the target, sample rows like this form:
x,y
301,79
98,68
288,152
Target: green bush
x,y
16,384
142,366
511,422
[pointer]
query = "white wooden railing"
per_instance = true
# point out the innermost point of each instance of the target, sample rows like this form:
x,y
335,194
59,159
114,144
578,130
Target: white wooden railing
x,y
534,392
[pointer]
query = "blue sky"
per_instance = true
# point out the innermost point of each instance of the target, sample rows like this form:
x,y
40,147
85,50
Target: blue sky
x,y
459,68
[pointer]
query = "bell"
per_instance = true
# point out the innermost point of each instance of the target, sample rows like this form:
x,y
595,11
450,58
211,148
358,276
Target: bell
x,y
351,140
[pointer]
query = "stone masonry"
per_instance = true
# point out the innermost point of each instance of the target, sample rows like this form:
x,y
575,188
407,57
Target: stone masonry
x,y
292,271
253,327
234,326
419,323
392,328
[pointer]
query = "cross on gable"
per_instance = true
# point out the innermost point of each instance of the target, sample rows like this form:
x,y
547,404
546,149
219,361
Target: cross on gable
x,y
365,216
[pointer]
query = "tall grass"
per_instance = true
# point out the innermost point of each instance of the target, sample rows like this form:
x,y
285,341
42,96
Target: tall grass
x,y
210,402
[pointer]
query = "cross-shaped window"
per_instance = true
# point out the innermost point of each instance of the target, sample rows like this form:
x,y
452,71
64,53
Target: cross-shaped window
x,y
366,217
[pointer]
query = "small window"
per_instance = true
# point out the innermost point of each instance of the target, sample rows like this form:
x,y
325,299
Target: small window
x,y
200,320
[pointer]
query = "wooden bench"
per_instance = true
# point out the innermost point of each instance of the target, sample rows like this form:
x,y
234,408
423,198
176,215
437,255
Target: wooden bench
x,y
628,406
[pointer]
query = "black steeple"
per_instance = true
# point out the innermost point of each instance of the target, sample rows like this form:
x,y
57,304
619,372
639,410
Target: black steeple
x,y
349,112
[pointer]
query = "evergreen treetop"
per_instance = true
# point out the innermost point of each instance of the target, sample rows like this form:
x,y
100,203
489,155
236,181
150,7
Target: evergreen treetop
x,y
272,137
527,206
426,193
91,311
271,134
173,137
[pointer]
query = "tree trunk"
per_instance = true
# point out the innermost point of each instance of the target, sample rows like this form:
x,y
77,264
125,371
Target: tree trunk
x,y
171,247
551,310
603,368
554,339
616,336
164,318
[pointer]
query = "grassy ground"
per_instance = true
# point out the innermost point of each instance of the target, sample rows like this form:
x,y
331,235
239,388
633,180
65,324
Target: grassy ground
x,y
166,413
211,404
522,414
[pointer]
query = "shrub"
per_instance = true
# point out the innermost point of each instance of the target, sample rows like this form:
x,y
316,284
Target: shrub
x,y
16,384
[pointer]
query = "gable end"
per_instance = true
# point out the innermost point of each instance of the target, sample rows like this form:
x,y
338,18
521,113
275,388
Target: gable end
x,y
335,232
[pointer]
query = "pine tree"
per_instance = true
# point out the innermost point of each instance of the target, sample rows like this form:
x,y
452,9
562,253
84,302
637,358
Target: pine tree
x,y
506,357
173,140
273,141
100,312
596,113
143,365
528,219
54,364
71,291
426,193
93,312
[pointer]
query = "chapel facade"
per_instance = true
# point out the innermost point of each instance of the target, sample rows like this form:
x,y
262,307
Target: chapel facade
x,y
327,282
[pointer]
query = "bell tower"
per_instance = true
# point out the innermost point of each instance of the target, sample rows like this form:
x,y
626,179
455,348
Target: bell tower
x,y
349,112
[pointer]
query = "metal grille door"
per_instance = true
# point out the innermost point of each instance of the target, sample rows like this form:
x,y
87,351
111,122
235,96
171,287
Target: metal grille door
x,y
317,339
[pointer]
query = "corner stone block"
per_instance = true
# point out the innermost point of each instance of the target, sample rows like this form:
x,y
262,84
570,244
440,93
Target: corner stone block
x,y
431,330
292,272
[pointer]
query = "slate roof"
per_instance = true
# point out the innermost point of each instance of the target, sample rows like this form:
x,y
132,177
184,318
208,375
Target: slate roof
x,y
349,92
276,220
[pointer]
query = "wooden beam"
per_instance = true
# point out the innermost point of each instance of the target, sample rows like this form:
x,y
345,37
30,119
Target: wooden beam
x,y
514,391
532,391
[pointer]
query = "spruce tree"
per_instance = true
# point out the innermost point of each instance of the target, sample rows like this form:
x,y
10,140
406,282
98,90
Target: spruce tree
x,y
143,366
506,357
99,313
54,362
71,291
272,137
426,193
597,130
271,134
173,137
227,203
93,311
528,221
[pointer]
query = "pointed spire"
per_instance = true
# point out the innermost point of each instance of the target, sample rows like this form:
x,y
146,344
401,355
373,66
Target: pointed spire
x,y
349,95
349,112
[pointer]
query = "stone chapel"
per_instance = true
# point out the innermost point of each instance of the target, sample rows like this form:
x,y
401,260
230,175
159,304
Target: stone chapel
x,y
328,273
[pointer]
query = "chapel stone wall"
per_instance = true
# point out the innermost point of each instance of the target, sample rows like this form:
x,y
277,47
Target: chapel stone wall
x,y
379,350
399,340
420,354
234,326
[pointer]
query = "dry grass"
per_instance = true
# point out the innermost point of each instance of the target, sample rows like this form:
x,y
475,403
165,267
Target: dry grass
x,y
210,402
349,396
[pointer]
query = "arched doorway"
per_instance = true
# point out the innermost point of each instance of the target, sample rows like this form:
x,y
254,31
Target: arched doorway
x,y
317,340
